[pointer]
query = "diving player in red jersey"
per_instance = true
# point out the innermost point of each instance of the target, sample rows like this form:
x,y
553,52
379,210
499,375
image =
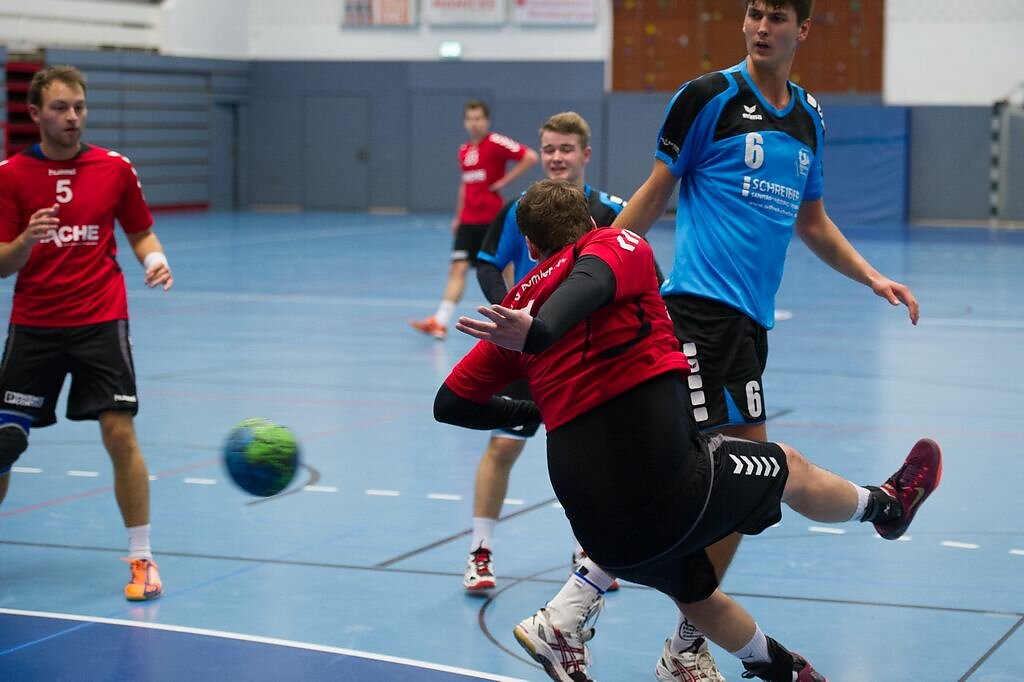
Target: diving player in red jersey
x,y
589,332
58,203
483,159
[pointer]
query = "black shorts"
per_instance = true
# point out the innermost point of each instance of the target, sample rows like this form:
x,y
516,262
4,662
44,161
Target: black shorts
x,y
645,493
469,237
98,357
728,352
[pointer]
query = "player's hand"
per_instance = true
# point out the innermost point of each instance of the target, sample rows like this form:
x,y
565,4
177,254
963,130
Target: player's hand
x,y
504,327
157,274
897,293
41,225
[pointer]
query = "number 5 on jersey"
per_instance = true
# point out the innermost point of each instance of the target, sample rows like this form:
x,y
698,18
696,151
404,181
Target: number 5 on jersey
x,y
64,193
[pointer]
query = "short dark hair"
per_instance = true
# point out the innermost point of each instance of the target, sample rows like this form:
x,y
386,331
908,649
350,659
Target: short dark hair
x,y
568,123
44,78
477,104
553,214
803,8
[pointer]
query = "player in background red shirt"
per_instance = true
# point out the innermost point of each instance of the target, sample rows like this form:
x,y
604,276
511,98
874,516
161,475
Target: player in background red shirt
x,y
644,490
58,203
482,159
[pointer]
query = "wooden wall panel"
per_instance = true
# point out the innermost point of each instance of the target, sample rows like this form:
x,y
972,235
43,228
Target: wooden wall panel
x,y
660,44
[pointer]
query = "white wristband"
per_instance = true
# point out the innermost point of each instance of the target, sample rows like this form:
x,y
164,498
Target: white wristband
x,y
152,258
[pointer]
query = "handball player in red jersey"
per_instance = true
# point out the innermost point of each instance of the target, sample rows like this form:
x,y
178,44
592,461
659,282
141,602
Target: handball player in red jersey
x,y
58,203
644,491
483,159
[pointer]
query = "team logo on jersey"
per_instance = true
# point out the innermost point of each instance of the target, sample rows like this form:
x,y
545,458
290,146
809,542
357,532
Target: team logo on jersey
x,y
803,162
472,156
750,113
73,235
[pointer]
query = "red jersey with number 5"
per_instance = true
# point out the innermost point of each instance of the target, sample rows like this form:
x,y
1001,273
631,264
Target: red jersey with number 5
x,y
621,344
483,164
72,277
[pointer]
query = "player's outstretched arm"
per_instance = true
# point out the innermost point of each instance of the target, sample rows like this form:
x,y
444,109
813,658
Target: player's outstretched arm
x,y
649,201
828,243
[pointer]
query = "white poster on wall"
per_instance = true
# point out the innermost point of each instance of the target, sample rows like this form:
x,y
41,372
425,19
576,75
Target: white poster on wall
x,y
454,12
379,13
555,12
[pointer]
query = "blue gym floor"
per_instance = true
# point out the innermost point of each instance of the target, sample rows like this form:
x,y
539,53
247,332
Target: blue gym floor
x,y
355,572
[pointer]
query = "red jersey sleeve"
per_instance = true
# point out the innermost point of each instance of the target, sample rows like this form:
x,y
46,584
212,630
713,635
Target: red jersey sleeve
x,y
132,212
508,149
10,214
484,371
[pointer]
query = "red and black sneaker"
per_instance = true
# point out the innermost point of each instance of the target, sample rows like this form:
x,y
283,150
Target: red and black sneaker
x,y
782,666
479,577
911,485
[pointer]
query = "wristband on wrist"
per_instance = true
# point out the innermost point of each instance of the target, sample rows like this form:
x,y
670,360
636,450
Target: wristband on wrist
x,y
152,258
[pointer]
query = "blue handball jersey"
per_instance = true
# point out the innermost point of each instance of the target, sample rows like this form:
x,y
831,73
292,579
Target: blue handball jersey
x,y
505,244
744,167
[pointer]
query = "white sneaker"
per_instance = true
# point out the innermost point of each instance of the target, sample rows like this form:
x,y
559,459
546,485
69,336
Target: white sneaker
x,y
479,577
693,665
563,653
577,559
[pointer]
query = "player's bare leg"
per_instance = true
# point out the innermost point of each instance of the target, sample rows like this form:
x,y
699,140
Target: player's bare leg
x,y
131,477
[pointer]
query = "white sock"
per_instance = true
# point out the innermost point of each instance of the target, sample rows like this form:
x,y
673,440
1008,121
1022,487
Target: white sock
x,y
138,542
591,573
573,604
685,636
756,650
483,532
444,313
862,502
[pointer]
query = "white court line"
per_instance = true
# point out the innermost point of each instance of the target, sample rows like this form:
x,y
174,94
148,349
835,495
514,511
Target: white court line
x,y
200,481
1018,552
959,545
444,496
514,501
383,493
958,322
26,470
826,529
83,474
320,488
263,640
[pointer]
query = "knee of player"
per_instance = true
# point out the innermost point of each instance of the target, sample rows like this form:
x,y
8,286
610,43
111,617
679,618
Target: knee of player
x,y
14,428
504,451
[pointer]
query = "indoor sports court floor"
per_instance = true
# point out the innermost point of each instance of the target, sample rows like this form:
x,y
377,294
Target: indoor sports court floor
x,y
355,572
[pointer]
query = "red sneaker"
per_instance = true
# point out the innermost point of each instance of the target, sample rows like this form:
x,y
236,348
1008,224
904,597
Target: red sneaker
x,y
430,327
912,484
479,577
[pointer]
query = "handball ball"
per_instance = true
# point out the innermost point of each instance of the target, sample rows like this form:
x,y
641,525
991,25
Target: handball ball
x,y
261,456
